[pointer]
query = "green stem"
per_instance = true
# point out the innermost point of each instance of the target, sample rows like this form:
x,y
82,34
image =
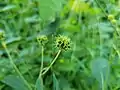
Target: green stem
x,y
41,68
52,62
117,51
102,79
14,66
102,9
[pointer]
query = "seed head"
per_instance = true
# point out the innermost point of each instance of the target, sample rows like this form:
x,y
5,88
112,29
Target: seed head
x,y
63,42
42,39
111,17
114,21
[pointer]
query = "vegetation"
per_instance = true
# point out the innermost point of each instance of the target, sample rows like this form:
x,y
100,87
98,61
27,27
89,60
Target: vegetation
x,y
59,45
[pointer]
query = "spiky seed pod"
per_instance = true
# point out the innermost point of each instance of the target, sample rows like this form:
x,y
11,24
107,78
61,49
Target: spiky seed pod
x,y
42,39
62,42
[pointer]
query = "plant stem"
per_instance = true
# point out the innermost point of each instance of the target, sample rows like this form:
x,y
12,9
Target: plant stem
x,y
102,9
52,62
117,51
102,79
14,66
41,68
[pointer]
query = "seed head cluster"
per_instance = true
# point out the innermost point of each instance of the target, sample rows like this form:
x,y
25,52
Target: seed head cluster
x,y
63,42
112,19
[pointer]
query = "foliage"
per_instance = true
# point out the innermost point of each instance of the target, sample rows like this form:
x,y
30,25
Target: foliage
x,y
91,26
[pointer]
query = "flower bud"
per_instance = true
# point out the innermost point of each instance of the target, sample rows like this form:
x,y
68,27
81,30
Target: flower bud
x,y
113,21
42,39
110,17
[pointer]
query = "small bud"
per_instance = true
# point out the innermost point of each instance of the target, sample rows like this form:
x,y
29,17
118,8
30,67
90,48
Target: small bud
x,y
2,35
110,17
61,61
73,21
42,39
63,42
114,21
4,44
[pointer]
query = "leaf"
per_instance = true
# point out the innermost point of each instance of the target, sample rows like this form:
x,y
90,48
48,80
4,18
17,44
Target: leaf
x,y
55,83
7,8
48,8
66,65
1,87
101,70
38,84
72,28
64,83
105,27
25,68
32,19
14,82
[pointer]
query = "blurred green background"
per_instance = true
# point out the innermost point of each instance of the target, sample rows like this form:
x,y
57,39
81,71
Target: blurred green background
x,y
92,63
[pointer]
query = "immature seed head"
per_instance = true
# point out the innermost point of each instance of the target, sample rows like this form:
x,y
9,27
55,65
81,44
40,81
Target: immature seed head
x,y
114,21
2,35
63,42
111,17
42,39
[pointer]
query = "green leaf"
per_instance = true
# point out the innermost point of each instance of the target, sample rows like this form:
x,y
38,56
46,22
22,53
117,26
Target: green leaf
x,y
71,28
32,19
66,65
55,83
48,8
7,8
101,71
105,27
14,82
25,68
39,85
1,87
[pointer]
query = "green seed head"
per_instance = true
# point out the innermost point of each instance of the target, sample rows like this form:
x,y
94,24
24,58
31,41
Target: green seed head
x,y
63,42
42,39
114,21
111,17
2,35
